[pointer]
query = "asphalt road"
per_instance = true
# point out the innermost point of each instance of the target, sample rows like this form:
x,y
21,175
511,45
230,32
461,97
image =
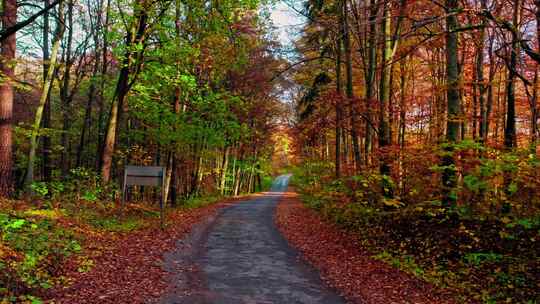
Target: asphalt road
x,y
239,257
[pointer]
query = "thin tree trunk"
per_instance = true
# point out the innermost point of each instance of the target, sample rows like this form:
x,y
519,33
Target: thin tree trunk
x,y
101,106
384,96
510,140
45,92
168,176
475,104
534,113
349,84
480,79
87,114
534,105
176,108
224,168
491,79
338,113
370,71
47,168
233,181
237,181
65,96
401,136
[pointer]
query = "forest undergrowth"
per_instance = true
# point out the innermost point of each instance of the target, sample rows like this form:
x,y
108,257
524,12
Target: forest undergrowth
x,y
484,249
67,228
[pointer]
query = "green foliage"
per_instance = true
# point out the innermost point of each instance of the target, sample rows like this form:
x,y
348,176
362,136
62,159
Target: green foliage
x,y
479,258
40,245
267,181
474,183
448,247
117,225
405,263
40,188
81,183
198,201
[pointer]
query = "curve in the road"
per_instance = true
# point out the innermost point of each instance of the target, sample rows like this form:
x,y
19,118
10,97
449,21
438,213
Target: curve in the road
x,y
239,257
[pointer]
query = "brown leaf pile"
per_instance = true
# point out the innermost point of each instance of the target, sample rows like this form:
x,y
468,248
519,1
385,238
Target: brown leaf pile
x,y
128,269
344,265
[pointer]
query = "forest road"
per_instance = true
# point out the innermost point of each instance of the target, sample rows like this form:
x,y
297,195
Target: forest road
x,y
239,257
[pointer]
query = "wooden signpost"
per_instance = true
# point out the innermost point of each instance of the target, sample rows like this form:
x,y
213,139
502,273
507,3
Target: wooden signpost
x,y
145,176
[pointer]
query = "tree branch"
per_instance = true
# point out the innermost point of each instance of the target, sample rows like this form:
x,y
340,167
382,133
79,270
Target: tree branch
x,y
5,33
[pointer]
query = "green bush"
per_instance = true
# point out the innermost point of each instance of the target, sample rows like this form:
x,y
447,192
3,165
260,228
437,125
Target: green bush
x,y
39,247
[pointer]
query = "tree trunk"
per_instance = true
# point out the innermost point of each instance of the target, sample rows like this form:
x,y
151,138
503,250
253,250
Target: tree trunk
x,y
534,113
64,94
134,36
7,67
491,79
224,166
338,108
454,103
370,71
45,92
87,123
168,175
47,166
480,80
534,105
349,84
171,157
384,91
402,122
510,140
101,106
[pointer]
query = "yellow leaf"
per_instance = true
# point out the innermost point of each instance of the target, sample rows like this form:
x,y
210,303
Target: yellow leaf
x,y
506,220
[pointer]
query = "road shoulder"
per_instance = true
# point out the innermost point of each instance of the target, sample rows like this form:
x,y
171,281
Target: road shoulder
x,y
342,262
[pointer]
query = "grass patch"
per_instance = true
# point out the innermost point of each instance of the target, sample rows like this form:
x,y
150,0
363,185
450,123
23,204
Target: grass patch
x,y
112,224
198,202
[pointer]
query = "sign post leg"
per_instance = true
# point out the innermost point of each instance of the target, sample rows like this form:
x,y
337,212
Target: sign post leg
x,y
123,201
161,213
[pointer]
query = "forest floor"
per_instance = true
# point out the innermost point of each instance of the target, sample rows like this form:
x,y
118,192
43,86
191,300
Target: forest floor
x,y
343,263
131,269
85,254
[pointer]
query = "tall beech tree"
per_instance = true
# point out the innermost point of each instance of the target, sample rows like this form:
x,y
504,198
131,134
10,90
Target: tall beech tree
x,y
133,59
7,67
453,101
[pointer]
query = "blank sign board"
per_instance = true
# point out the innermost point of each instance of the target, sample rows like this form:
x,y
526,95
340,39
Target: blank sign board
x,y
144,176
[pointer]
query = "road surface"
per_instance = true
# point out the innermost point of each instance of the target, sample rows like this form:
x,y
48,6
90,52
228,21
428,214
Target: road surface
x,y
239,257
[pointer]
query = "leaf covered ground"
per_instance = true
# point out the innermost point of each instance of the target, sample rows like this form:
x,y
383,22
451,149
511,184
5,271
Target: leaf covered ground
x,y
483,249
343,263
89,255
